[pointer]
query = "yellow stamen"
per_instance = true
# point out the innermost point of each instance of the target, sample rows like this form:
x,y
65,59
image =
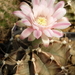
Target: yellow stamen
x,y
41,21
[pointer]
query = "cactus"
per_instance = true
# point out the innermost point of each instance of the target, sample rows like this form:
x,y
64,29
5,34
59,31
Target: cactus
x,y
52,60
21,57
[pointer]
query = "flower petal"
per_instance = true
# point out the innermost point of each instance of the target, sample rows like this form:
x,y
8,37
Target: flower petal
x,y
26,33
35,2
45,12
20,23
59,13
31,17
59,5
19,14
35,26
62,25
39,10
47,33
31,37
51,21
42,10
56,33
37,33
23,3
45,40
35,11
51,11
43,2
26,22
63,19
25,9
50,3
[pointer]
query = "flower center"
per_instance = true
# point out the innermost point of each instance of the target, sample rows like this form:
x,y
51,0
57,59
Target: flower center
x,y
41,21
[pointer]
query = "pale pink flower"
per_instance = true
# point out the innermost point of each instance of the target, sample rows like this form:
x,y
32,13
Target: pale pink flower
x,y
43,21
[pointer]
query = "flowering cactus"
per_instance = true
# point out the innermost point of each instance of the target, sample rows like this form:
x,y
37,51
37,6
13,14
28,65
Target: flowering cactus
x,y
43,20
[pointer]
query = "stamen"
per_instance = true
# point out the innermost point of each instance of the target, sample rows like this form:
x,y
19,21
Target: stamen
x,y
42,21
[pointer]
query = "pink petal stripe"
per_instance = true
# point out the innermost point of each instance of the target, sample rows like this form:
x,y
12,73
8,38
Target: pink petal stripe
x,y
35,2
19,14
45,40
57,33
50,3
26,9
62,25
26,22
47,33
59,13
37,33
59,5
26,33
